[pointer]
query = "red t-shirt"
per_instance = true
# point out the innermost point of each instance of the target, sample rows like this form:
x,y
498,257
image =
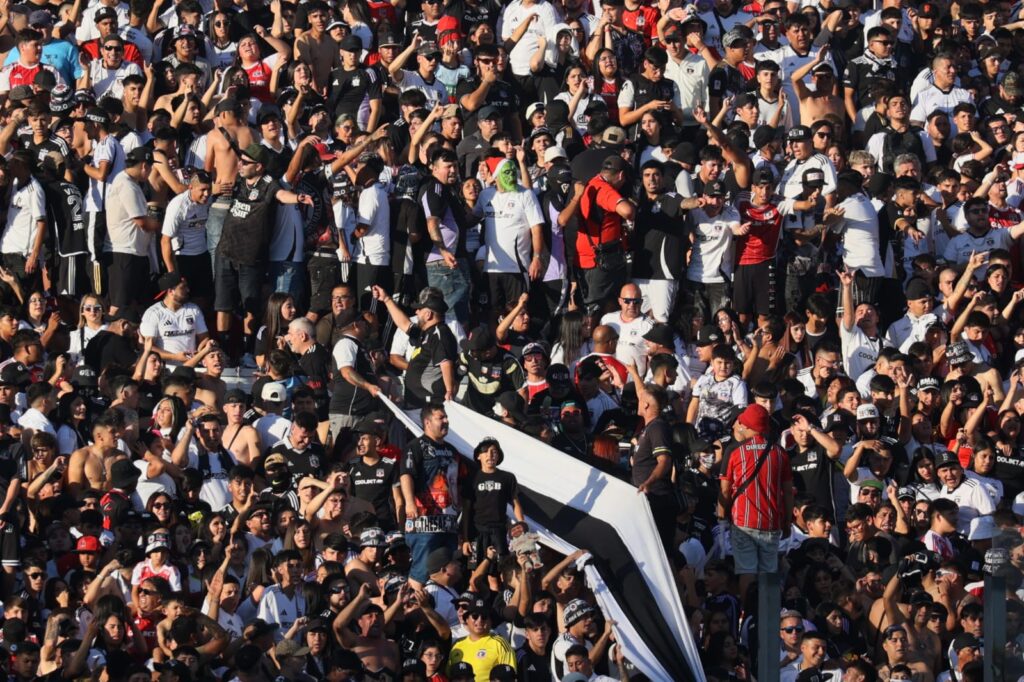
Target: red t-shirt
x,y
259,81
600,224
761,505
609,92
760,243
643,20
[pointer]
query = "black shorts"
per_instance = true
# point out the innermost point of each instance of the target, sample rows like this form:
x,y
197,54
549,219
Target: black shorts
x,y
324,275
601,286
130,280
10,546
505,288
73,274
198,273
237,283
753,288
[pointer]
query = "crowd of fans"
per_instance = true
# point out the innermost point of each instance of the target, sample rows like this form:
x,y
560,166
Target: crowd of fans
x,y
762,261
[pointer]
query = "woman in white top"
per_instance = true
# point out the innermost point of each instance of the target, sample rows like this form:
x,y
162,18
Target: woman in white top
x,y
90,323
577,96
650,140
357,15
224,48
71,414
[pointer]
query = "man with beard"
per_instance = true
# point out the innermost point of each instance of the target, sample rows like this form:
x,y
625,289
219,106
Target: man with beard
x,y
175,326
374,479
377,653
491,370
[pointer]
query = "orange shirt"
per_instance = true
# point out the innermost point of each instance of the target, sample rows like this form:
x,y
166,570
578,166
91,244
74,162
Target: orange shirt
x,y
600,223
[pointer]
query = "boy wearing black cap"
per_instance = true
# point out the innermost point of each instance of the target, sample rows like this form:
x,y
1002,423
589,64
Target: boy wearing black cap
x,y
488,495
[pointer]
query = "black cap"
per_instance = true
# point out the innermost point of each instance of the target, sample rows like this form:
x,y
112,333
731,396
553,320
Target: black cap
x,y
946,459
169,280
257,153
917,289
798,134
715,188
488,112
662,335
84,376
236,396
965,640
15,374
104,13
613,163
709,336
351,43
139,155
480,338
558,375
763,176
128,315
813,177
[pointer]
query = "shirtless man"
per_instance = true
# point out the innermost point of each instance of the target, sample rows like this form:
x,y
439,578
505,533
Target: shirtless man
x,y
230,133
210,388
87,467
376,652
189,76
361,570
242,440
316,47
825,98
962,364
337,504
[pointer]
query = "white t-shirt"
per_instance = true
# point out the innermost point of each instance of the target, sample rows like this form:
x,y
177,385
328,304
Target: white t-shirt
x,y
175,331
515,14
215,488
185,225
26,208
110,82
859,227
276,607
435,92
712,252
719,398
508,217
374,247
860,353
631,346
107,150
792,183
961,246
932,99
125,203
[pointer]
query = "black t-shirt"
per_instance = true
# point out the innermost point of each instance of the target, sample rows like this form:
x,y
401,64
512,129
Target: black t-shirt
x,y
490,378
317,365
374,483
12,456
250,221
659,239
64,212
350,88
424,381
1010,470
490,494
812,474
725,80
533,667
470,13
347,398
309,462
501,95
655,441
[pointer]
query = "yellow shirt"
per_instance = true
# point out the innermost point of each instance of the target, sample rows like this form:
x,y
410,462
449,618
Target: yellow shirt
x,y
483,654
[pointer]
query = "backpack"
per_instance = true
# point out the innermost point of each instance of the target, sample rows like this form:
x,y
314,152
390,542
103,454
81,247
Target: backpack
x,y
894,144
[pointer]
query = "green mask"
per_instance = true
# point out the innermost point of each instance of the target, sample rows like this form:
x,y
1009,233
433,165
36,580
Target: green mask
x,y
506,179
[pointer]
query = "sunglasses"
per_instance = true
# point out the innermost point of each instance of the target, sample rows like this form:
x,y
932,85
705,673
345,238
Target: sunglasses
x,y
161,505
148,593
113,48
92,308
475,616
35,576
246,162
632,301
486,61
823,135
792,629
220,24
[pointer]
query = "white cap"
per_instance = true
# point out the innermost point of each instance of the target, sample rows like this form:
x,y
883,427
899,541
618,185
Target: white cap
x,y
1018,505
1018,356
865,411
982,528
274,392
555,152
533,108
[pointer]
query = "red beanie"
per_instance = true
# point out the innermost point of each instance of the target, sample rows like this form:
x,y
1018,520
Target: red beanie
x,y
448,23
755,418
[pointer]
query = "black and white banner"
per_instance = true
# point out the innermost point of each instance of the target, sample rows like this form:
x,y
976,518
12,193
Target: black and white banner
x,y
573,505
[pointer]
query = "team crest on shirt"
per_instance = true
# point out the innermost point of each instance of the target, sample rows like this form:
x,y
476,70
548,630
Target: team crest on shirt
x,y
254,195
812,457
380,473
190,319
355,81
482,653
314,461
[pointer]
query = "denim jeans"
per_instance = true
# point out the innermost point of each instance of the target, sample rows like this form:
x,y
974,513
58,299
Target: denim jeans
x,y
215,226
453,284
755,551
289,277
421,545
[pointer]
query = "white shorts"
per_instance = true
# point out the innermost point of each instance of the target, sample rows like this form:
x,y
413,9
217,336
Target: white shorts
x,y
659,296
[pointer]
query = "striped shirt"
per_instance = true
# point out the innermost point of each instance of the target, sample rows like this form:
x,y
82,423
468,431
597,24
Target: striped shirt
x,y
760,505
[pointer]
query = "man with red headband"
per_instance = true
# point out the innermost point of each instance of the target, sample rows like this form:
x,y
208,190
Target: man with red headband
x,y
757,494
